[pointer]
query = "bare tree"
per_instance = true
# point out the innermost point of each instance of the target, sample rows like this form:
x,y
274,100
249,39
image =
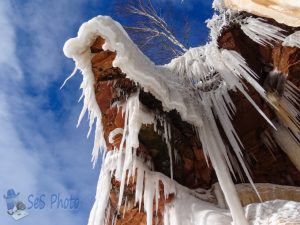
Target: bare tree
x,y
151,32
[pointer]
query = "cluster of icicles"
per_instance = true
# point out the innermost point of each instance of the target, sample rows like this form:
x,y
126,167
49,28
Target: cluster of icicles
x,y
196,85
123,163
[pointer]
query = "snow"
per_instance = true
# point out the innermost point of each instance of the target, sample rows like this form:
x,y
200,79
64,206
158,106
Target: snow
x,y
218,5
218,21
114,133
274,212
188,210
196,85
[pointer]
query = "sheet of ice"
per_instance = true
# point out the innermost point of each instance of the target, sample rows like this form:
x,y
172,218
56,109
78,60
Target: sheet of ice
x,y
292,40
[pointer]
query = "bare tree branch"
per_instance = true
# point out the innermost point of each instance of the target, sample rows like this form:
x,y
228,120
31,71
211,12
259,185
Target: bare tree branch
x,y
151,32
162,27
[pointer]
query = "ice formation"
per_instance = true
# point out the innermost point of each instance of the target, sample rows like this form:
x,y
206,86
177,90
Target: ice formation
x,y
197,86
261,32
287,104
288,143
186,209
290,104
293,40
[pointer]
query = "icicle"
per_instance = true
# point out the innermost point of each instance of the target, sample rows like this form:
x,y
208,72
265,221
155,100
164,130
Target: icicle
x,y
125,205
288,144
267,139
98,142
149,193
212,141
176,156
167,136
139,187
291,103
108,212
261,32
157,197
97,214
69,77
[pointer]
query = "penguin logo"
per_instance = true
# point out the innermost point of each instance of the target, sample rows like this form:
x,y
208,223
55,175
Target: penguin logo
x,y
15,207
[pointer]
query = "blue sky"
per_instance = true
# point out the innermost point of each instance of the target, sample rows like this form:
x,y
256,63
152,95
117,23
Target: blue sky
x,y
41,150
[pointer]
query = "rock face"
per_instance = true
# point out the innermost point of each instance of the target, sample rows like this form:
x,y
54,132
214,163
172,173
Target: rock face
x,y
267,193
189,165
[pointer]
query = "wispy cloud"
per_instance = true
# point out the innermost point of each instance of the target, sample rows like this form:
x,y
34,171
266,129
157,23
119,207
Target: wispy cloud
x,y
43,25
8,59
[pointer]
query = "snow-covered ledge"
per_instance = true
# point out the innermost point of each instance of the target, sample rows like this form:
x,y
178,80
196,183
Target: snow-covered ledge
x,y
283,11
